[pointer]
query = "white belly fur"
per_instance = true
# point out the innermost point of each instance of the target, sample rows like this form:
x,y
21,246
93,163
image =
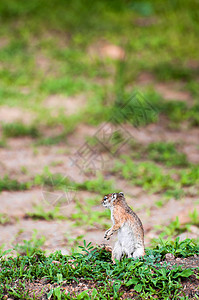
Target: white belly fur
x,y
127,239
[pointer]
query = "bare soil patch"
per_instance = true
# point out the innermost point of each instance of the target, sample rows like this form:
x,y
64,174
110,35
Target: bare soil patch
x,y
20,154
15,114
67,105
104,49
168,90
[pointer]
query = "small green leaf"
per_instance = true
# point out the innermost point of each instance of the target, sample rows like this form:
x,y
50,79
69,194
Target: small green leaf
x,y
184,273
132,281
50,294
138,288
94,293
83,295
59,278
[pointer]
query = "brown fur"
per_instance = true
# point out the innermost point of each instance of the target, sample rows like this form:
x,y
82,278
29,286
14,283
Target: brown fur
x,y
121,214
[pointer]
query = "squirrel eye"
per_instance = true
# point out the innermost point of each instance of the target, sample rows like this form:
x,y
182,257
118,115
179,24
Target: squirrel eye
x,y
114,196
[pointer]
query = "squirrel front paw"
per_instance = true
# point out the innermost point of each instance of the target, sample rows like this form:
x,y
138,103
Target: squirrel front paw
x,y
107,234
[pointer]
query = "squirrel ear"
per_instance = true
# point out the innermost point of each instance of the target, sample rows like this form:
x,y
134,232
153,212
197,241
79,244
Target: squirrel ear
x,y
114,196
121,193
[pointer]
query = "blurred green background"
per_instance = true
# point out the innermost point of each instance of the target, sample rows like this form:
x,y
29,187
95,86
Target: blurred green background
x,y
74,47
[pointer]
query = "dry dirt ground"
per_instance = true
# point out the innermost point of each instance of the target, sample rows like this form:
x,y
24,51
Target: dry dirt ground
x,y
20,155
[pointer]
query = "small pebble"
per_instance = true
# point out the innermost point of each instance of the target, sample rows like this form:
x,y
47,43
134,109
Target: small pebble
x,y
178,259
56,262
169,256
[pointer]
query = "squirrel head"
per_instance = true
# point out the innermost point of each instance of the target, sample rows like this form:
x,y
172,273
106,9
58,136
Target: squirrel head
x,y
110,200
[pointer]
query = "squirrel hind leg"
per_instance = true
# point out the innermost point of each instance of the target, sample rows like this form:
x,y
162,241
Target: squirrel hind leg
x,y
139,252
117,252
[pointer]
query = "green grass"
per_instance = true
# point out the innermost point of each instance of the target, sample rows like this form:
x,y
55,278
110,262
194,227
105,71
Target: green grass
x,y
2,143
18,129
192,87
136,109
50,141
7,184
30,247
146,174
155,178
178,111
41,213
178,248
67,85
99,185
59,182
147,277
150,176
49,49
4,219
166,71
175,228
88,214
141,107
166,153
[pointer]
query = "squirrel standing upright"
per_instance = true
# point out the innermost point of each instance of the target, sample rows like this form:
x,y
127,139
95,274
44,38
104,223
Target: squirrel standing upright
x,y
127,224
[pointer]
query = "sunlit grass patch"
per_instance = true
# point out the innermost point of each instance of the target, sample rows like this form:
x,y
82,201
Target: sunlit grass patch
x,y
65,85
4,219
17,78
190,176
11,96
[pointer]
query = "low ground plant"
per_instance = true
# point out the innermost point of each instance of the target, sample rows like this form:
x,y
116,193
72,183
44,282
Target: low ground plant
x,y
145,277
18,129
7,184
43,213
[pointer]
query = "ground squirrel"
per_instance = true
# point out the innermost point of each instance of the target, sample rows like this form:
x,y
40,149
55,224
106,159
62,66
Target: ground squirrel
x,y
127,223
